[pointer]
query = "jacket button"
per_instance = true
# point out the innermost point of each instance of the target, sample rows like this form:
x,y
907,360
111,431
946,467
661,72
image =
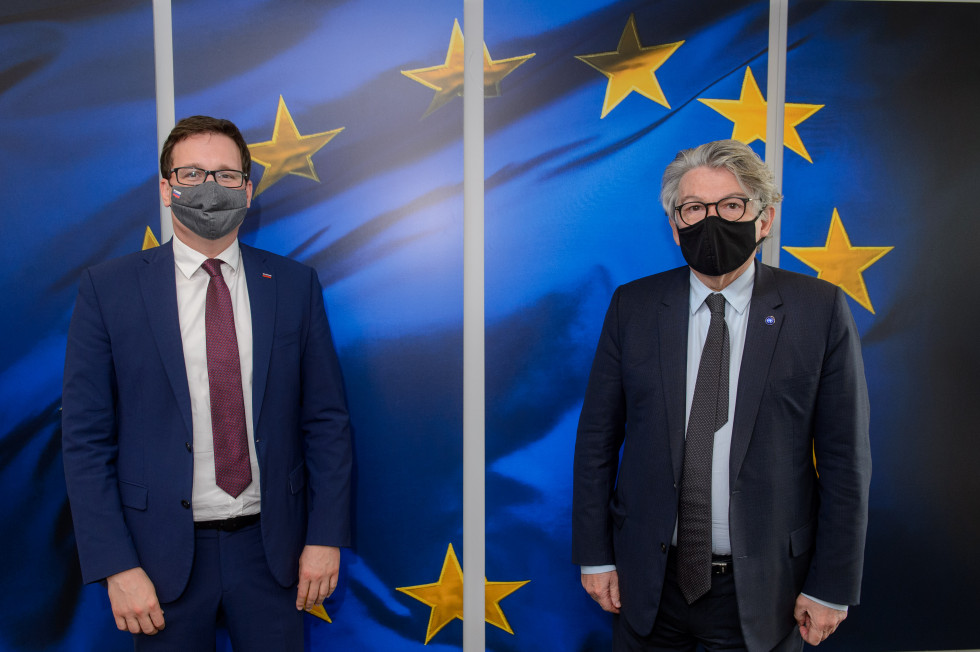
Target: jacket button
x,y
663,547
187,444
185,504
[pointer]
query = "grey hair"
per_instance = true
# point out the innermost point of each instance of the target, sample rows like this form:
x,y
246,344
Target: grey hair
x,y
736,157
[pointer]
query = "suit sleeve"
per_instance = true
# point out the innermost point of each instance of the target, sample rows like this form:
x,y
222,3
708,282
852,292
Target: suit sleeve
x,y
89,442
843,458
601,430
326,431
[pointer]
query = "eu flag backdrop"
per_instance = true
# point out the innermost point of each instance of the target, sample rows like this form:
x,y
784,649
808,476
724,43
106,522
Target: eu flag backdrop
x,y
74,142
351,113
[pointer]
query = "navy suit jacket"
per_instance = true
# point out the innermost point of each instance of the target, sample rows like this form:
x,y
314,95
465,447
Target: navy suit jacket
x,y
127,431
801,392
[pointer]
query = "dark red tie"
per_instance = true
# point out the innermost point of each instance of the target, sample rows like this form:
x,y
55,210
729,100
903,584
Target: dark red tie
x,y
232,471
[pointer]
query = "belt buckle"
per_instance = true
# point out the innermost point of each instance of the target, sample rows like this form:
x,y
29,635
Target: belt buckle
x,y
721,567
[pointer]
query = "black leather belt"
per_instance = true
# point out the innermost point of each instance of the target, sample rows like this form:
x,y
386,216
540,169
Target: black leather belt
x,y
721,564
227,524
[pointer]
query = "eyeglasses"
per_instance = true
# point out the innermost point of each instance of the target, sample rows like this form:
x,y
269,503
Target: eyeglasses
x,y
731,209
197,176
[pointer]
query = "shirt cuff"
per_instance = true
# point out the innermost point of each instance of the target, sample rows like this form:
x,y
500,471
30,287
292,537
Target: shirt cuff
x,y
838,607
592,570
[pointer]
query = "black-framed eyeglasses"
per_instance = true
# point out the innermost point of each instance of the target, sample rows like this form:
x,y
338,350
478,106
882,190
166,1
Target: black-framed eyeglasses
x,y
731,209
190,176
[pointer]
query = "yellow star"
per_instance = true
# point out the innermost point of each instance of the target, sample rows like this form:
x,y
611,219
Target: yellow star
x,y
149,240
447,79
841,263
319,612
288,152
748,113
495,592
630,68
445,597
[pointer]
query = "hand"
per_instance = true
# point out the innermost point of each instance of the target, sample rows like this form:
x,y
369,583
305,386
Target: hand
x,y
816,621
134,602
604,589
319,567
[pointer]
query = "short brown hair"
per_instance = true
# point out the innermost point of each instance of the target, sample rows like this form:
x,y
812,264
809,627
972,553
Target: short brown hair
x,y
202,124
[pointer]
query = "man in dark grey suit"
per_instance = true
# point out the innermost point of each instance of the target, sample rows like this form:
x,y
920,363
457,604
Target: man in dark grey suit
x,y
776,490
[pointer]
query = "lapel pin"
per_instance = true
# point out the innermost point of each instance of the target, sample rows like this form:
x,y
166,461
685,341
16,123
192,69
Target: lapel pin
x,y
770,320
264,275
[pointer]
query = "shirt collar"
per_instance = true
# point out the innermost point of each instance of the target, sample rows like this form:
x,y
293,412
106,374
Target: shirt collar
x,y
737,294
189,260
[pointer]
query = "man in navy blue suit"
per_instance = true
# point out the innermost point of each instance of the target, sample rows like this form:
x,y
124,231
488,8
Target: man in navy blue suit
x,y
723,535
205,431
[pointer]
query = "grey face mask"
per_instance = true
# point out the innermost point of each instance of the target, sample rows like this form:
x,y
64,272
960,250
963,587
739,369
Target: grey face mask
x,y
210,210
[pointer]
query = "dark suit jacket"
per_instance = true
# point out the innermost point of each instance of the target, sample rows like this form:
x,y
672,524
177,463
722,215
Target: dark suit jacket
x,y
801,391
127,419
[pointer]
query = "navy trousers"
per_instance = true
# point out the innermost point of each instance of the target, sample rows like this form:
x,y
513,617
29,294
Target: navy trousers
x,y
230,583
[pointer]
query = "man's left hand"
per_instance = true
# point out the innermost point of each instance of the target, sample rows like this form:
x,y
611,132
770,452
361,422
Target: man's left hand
x,y
816,621
319,567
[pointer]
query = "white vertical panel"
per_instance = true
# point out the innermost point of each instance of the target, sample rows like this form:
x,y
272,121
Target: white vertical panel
x,y
474,362
163,56
775,116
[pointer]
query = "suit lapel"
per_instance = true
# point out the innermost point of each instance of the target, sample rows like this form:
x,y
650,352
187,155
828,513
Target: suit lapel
x,y
673,320
158,286
262,301
765,321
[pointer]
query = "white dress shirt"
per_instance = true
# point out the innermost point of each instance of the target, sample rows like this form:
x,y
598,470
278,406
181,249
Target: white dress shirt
x,y
208,501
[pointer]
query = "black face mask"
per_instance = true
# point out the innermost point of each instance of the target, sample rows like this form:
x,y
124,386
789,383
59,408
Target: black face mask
x,y
716,247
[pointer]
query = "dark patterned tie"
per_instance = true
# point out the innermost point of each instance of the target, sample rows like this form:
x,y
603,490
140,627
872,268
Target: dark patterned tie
x,y
232,471
709,412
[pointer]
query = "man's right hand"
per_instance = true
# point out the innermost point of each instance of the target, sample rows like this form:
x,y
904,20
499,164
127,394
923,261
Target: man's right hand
x,y
604,589
134,602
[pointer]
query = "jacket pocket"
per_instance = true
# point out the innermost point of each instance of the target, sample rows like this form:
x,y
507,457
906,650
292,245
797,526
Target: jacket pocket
x,y
801,540
794,384
618,512
297,479
132,495
286,339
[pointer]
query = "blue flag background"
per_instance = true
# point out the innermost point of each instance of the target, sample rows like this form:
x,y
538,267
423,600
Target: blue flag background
x,y
571,212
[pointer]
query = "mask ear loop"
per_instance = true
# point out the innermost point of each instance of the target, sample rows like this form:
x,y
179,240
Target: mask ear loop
x,y
763,238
